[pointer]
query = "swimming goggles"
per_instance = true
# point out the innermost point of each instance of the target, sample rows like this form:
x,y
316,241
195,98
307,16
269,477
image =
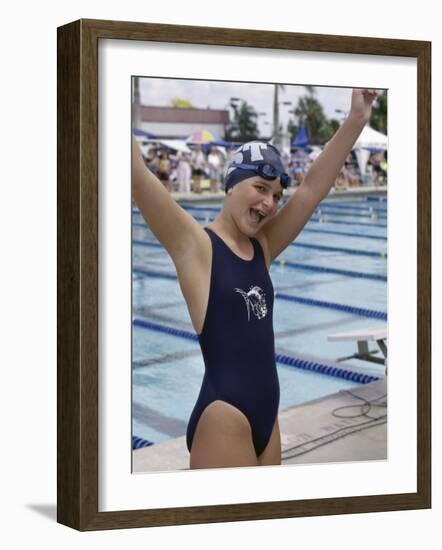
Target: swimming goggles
x,y
266,171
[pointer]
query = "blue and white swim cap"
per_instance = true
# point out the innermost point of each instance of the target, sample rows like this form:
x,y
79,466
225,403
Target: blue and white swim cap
x,y
249,155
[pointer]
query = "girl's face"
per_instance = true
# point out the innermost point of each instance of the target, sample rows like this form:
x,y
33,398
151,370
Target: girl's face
x,y
253,202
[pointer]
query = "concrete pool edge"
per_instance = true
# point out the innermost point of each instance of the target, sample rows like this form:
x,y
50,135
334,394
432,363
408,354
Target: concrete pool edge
x,y
309,433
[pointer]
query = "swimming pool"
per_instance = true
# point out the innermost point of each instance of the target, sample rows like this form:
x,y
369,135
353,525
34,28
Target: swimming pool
x,y
333,278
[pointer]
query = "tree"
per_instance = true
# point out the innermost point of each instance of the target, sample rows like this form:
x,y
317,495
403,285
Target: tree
x,y
311,115
327,130
243,127
293,129
181,103
378,119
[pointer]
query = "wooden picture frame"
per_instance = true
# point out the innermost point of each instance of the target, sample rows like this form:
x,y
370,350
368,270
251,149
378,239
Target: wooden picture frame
x,y
77,225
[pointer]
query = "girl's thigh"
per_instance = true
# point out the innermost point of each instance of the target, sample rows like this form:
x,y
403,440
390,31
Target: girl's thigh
x,y
222,439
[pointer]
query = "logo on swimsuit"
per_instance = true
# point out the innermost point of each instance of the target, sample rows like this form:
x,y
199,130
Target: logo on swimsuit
x,y
255,301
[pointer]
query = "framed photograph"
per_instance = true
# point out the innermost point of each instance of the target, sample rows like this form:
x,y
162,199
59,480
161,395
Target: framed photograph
x,y
129,366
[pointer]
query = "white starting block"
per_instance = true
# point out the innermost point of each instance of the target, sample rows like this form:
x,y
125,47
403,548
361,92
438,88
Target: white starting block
x,y
363,337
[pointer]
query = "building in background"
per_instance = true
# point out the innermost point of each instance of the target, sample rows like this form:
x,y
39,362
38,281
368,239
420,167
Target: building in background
x,y
174,122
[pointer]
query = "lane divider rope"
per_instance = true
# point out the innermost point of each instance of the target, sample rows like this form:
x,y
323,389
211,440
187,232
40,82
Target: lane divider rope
x,y
352,251
322,269
319,218
335,211
307,301
279,358
305,267
362,312
352,206
139,442
307,229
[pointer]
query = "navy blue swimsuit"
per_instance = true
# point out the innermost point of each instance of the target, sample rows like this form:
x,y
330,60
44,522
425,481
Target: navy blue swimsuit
x,y
237,342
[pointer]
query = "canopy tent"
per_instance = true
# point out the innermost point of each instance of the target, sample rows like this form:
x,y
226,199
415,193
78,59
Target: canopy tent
x,y
207,140
178,145
301,139
143,138
175,144
222,143
370,141
142,134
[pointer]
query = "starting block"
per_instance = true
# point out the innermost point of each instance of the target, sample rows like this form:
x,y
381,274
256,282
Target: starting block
x,y
363,337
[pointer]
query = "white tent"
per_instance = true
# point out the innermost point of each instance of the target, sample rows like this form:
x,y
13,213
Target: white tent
x,y
369,140
175,144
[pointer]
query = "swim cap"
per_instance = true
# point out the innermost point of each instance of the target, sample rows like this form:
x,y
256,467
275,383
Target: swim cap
x,y
252,153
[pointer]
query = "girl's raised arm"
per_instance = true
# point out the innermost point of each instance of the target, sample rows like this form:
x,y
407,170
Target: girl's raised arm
x,y
176,230
289,221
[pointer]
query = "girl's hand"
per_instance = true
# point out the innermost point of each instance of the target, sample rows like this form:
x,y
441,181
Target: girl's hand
x,y
361,102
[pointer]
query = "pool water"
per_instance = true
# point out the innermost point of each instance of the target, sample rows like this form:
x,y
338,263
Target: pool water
x,y
168,367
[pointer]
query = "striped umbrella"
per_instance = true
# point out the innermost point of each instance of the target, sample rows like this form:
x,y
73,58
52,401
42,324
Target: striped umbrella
x,y
202,136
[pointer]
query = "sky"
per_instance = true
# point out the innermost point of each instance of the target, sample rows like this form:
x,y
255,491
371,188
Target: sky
x,y
216,95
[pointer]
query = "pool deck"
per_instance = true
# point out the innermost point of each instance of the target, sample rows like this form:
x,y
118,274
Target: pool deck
x,y
310,433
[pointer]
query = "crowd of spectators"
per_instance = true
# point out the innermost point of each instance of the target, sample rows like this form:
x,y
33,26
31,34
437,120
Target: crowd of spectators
x,y
185,172
204,168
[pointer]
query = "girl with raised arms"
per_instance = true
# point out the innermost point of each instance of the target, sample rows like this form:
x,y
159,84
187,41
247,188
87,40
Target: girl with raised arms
x,y
223,272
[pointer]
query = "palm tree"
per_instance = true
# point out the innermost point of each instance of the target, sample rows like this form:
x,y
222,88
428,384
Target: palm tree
x,y
310,114
243,127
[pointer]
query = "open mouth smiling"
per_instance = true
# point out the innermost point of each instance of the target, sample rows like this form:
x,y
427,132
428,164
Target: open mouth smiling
x,y
256,215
